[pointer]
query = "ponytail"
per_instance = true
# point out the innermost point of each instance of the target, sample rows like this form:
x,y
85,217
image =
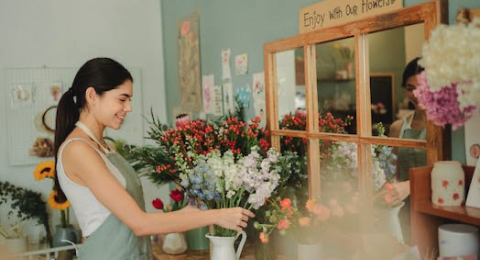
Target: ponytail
x,y
67,115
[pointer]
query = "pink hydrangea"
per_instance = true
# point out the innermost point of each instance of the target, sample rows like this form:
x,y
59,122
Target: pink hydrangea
x,y
442,107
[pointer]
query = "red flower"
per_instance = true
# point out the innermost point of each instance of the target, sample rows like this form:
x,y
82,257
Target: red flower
x,y
176,195
157,203
440,201
445,183
456,196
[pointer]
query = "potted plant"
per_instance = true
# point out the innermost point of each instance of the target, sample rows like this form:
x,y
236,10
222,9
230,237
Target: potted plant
x,y
26,204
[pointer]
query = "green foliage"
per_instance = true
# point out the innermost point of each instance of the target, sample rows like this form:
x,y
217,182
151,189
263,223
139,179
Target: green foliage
x,y
26,204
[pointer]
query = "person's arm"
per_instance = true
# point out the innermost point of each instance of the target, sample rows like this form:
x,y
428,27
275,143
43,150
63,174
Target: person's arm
x,y
83,162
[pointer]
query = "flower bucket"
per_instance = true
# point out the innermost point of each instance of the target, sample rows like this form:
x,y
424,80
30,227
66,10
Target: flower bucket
x,y
222,248
196,239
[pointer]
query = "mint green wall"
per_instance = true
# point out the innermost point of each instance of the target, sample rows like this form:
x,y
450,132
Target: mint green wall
x,y
244,26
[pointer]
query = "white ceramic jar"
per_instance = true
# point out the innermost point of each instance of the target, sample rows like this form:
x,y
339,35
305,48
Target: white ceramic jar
x,y
458,240
448,183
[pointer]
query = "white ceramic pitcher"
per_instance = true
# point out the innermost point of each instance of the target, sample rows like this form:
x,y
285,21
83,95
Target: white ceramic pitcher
x,y
222,248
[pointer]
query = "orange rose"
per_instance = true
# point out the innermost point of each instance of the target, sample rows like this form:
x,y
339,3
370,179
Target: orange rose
x,y
310,205
285,203
264,238
304,222
322,212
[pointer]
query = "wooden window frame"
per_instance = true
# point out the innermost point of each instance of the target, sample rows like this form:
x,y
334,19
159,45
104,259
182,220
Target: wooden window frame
x,y
437,142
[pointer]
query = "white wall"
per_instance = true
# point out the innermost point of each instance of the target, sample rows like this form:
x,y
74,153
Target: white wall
x,y
66,33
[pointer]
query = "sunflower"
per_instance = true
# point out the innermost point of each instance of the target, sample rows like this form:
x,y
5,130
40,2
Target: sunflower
x,y
44,170
56,205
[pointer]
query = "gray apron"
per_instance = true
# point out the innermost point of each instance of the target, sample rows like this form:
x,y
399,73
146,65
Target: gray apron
x,y
113,239
408,158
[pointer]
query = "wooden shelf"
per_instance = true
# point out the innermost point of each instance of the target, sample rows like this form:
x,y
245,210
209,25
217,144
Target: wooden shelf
x,y
427,217
463,214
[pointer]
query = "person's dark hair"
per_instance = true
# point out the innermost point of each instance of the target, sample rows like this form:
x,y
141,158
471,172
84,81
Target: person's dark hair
x,y
412,69
103,74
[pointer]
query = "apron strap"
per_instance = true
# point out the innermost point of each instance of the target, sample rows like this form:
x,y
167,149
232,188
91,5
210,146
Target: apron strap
x,y
90,134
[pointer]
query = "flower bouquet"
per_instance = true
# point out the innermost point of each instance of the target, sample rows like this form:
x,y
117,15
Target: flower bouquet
x,y
449,88
224,181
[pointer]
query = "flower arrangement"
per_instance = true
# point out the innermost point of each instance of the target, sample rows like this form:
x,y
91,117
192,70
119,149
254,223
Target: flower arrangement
x,y
303,221
228,180
449,88
178,202
47,170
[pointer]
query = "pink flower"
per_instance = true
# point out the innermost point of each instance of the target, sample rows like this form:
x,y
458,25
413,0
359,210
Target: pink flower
x,y
322,212
283,224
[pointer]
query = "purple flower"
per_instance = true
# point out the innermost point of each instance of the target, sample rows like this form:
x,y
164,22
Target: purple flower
x,y
442,107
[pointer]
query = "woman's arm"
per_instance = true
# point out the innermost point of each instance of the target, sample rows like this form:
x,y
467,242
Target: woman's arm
x,y
83,162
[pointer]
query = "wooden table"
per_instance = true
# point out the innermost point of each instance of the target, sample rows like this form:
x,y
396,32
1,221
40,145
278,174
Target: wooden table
x,y
248,253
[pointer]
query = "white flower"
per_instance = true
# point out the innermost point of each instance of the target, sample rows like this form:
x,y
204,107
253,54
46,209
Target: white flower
x,y
452,55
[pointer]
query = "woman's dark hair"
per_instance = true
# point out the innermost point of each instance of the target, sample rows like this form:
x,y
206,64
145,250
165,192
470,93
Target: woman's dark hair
x,y
411,69
103,74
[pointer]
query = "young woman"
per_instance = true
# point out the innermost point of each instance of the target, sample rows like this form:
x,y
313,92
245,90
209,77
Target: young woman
x,y
103,189
412,126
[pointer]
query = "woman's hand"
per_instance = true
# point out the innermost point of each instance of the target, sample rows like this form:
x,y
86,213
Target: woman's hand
x,y
233,218
393,194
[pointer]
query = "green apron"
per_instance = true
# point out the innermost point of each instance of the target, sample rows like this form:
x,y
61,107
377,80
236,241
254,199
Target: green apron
x,y
408,158
113,239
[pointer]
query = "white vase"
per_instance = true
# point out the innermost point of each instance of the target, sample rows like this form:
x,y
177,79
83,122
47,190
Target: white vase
x,y
222,248
389,222
448,183
309,251
174,244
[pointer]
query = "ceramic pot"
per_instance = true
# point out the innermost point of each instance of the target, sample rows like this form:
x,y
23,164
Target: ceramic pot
x,y
448,183
222,248
309,251
174,244
458,240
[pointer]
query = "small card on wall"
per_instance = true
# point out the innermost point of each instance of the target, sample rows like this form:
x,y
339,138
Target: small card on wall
x,y
241,64
226,64
473,197
208,82
243,95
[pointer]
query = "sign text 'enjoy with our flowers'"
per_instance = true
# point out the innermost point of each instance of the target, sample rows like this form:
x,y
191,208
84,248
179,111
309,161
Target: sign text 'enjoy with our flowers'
x,y
336,12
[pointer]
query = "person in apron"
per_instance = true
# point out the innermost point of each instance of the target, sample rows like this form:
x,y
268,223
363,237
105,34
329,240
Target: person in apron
x,y
412,126
103,189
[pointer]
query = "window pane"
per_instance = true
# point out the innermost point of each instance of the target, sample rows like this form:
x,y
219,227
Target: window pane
x,y
339,183
290,82
336,81
391,100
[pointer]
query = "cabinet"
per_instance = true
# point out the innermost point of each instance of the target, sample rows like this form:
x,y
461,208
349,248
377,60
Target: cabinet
x,y
426,217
